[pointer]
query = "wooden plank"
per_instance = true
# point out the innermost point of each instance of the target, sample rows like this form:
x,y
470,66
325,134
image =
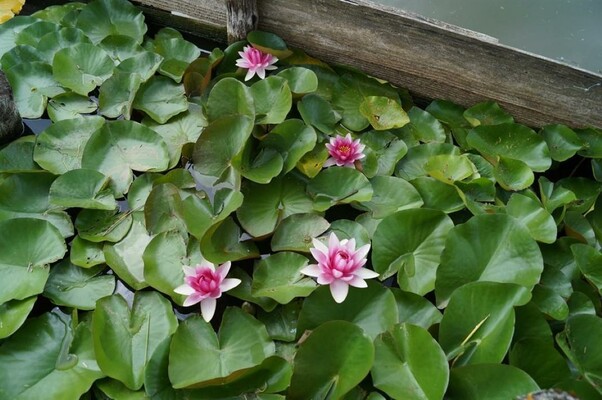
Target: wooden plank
x,y
432,59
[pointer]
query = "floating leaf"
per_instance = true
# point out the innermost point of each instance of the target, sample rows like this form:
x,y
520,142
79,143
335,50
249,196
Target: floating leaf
x,y
278,277
588,260
220,142
69,106
412,165
449,113
350,357
17,156
414,254
300,80
474,382
512,174
84,188
259,165
99,225
54,41
562,141
47,358
161,99
449,168
268,43
591,136
164,257
125,257
539,358
101,18
13,314
125,338
230,97
511,141
533,216
180,130
32,33
177,53
32,84
116,94
144,64
20,54
242,342
120,47
383,152
272,98
27,247
487,113
318,112
223,242
383,113
295,232
409,364
10,29
122,146
72,286
265,206
372,308
60,147
489,247
292,139
391,194
477,332
425,127
339,185
86,254
415,309
82,67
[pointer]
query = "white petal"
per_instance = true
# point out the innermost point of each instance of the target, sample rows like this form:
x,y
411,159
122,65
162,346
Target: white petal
x,y
361,252
365,273
357,282
339,290
184,289
271,67
311,270
261,73
229,283
333,241
330,162
249,75
206,264
242,63
208,308
223,269
321,247
189,271
193,299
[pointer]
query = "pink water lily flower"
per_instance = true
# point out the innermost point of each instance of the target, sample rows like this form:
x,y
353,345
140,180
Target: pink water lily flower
x,y
205,284
256,61
339,265
344,151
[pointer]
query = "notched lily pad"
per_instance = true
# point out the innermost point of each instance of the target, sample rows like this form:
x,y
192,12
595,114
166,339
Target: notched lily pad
x,y
82,67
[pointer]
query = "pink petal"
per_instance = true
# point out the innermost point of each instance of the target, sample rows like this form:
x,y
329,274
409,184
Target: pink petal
x,y
330,162
311,270
208,308
325,279
205,264
339,290
319,246
229,283
184,289
365,273
361,252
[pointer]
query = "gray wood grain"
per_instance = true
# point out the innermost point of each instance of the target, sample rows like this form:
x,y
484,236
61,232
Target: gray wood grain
x,y
432,59
242,18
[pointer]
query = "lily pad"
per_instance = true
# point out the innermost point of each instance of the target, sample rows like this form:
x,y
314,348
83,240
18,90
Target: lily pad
x,y
101,18
161,99
69,106
269,43
163,258
27,247
278,277
224,242
100,225
425,127
20,54
60,147
230,97
339,185
318,112
58,364
32,84
120,47
414,254
83,188
31,34
144,64
415,309
72,286
272,98
513,174
300,80
82,67
126,336
532,215
383,113
122,146
13,314
242,342
487,113
391,194
409,364
489,247
54,41
116,94
350,356
292,139
383,152
562,141
17,156
295,232
86,254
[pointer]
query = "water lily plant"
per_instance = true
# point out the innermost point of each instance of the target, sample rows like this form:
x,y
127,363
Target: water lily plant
x,y
344,151
256,62
444,253
205,284
339,265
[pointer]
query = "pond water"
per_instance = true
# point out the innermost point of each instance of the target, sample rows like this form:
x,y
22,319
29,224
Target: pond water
x,y
565,30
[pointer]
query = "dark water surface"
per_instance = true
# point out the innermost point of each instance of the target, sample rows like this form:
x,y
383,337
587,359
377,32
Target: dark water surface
x,y
565,30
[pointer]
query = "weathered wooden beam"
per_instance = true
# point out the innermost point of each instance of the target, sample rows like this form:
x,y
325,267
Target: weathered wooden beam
x,y
242,18
11,125
432,59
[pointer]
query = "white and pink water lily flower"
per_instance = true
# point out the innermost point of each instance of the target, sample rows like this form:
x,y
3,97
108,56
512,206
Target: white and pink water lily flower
x,y
205,284
256,62
339,265
344,151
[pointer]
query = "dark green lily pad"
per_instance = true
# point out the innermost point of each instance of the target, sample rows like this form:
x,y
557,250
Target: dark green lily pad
x,y
102,18
161,99
69,106
339,185
278,277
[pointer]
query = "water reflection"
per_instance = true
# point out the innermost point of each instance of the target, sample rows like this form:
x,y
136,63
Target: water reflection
x,y
565,30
